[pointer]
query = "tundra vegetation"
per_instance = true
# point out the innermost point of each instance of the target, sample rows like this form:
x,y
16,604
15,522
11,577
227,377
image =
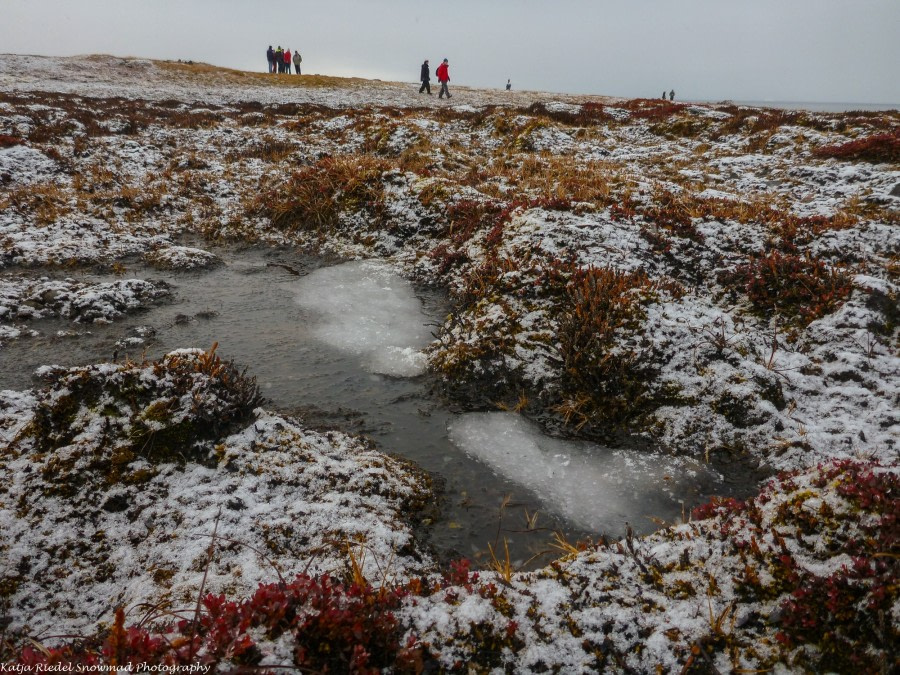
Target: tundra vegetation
x,y
718,280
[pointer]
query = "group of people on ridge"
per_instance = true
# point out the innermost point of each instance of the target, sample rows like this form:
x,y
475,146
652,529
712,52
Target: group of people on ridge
x,y
280,60
443,76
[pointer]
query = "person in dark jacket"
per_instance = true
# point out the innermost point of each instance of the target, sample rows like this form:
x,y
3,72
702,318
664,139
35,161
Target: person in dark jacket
x,y
443,76
425,77
279,59
270,57
508,85
672,95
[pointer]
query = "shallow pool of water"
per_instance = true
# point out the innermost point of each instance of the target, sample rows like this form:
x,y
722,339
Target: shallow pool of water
x,y
257,313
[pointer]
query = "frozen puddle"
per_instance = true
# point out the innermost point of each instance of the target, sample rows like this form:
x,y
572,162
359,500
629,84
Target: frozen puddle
x,y
596,488
364,308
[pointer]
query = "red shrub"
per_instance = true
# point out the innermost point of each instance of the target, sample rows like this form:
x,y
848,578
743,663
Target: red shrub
x,y
879,148
447,258
469,216
9,141
718,506
798,288
652,109
333,628
461,574
842,613
846,614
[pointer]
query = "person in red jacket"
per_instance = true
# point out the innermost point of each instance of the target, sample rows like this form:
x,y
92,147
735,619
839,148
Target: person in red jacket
x,y
443,76
287,60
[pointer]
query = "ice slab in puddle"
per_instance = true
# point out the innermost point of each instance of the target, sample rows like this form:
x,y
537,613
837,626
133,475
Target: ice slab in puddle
x,y
364,308
596,488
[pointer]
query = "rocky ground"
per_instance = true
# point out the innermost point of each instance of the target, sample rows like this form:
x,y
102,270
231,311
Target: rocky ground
x,y
716,280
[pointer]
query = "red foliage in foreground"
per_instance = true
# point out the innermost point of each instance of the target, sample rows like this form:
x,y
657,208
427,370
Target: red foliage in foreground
x,y
827,619
845,615
717,506
880,148
849,610
333,628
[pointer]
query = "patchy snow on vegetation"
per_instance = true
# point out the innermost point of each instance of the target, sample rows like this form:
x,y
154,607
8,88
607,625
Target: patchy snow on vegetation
x,y
23,299
21,165
121,467
716,282
181,258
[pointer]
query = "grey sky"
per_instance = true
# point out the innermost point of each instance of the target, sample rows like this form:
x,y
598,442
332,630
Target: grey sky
x,y
786,50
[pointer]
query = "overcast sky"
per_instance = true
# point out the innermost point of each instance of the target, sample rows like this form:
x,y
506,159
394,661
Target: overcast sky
x,y
748,50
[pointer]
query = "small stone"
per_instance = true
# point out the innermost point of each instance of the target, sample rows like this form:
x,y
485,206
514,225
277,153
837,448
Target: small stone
x,y
48,296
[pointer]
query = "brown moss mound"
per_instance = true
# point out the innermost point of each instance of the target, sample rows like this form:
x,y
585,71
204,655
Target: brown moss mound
x,y
96,421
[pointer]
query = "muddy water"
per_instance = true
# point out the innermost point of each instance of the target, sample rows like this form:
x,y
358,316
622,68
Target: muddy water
x,y
248,306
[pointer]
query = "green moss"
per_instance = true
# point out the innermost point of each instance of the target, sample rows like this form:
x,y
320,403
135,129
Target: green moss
x,y
490,645
110,410
162,576
159,411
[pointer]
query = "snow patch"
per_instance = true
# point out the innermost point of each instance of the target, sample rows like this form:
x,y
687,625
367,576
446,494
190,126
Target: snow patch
x,y
598,488
26,165
364,308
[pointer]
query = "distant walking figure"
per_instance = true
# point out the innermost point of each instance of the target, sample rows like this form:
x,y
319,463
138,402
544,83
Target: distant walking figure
x,y
270,57
425,77
508,85
664,96
287,60
443,76
671,95
297,61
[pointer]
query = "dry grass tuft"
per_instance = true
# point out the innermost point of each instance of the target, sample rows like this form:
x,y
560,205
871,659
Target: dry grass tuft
x,y
559,178
315,197
601,381
270,150
46,202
